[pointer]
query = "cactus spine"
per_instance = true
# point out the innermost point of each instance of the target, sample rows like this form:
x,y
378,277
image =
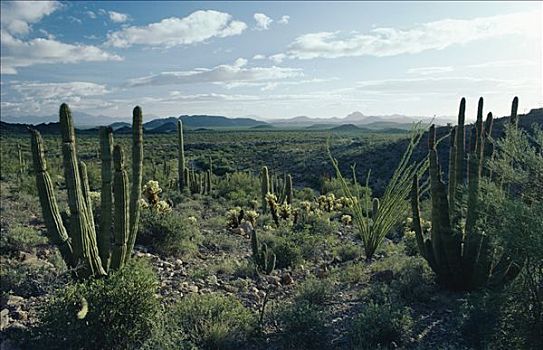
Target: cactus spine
x,y
264,186
458,254
181,155
80,247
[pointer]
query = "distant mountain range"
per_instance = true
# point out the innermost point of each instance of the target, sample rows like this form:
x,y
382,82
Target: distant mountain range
x,y
355,121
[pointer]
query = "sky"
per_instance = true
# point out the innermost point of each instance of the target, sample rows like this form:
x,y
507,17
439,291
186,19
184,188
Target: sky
x,y
269,60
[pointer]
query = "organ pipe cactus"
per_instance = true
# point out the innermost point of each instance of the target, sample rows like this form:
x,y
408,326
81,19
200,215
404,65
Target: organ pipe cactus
x,y
181,155
264,186
457,250
263,257
288,189
106,154
80,247
122,225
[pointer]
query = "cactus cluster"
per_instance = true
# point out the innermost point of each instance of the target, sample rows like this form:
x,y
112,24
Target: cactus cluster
x,y
263,257
457,249
84,248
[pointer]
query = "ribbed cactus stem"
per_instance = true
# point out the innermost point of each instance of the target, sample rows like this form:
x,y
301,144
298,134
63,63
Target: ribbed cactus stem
x,y
186,176
460,145
82,234
137,171
106,200
209,185
514,110
288,189
181,156
452,167
122,222
86,192
264,186
51,214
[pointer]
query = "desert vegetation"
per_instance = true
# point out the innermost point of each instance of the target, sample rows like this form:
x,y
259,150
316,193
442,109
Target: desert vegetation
x,y
274,239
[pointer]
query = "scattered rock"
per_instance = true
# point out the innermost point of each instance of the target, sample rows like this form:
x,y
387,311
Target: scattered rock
x,y
230,288
193,288
238,231
287,279
4,318
273,280
385,276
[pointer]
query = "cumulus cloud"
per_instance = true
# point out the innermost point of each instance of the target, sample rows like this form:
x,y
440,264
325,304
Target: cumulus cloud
x,y
117,17
259,57
18,53
59,90
222,74
284,19
17,18
263,22
91,14
435,35
196,27
43,98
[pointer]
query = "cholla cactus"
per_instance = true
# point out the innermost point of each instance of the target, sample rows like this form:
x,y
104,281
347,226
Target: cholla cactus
x,y
151,191
346,219
285,211
251,216
233,217
271,199
162,207
143,204
192,220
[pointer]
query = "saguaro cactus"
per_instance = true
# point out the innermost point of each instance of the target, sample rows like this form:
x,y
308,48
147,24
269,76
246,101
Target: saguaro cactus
x,y
459,253
137,173
264,186
181,156
122,224
78,245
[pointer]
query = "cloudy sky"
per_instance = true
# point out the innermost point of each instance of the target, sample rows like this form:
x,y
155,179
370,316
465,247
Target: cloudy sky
x,y
269,60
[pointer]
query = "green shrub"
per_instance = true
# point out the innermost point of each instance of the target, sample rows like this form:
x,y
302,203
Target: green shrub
x,y
20,238
116,312
303,325
168,233
348,252
315,291
213,321
414,281
381,325
240,188
410,244
287,253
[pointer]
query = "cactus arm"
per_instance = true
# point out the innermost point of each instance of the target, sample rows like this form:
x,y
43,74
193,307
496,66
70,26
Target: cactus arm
x,y
415,206
181,156
104,238
445,244
289,190
514,110
264,186
137,171
85,189
51,214
82,238
452,167
460,145
122,221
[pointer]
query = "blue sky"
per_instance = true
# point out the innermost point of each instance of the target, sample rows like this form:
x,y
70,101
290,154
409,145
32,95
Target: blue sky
x,y
269,60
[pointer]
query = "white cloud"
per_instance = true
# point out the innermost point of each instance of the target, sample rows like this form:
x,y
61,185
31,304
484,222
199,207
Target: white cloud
x,y
435,35
284,19
17,16
503,64
430,70
19,53
47,91
117,17
259,57
278,58
43,98
263,22
91,14
222,74
196,27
